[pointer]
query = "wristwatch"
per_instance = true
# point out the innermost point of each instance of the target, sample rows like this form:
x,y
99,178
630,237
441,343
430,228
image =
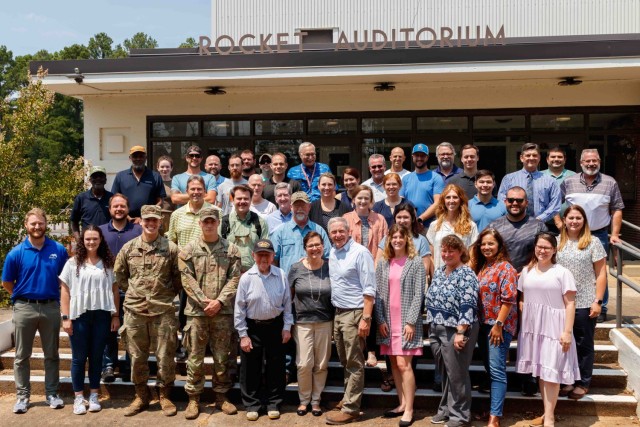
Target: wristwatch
x,y
367,318
65,317
499,323
598,301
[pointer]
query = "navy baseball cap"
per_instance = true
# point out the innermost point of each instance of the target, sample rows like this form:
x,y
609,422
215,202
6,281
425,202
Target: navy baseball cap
x,y
420,148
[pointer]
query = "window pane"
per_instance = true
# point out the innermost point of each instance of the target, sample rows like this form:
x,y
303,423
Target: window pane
x,y
614,121
279,127
387,125
288,147
383,146
501,123
332,126
223,128
557,122
440,124
169,129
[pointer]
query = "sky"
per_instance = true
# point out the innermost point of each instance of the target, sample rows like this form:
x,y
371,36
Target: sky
x,y
28,26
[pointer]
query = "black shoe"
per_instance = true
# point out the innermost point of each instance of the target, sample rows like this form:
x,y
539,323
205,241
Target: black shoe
x,y
405,423
316,412
437,387
392,414
602,317
107,375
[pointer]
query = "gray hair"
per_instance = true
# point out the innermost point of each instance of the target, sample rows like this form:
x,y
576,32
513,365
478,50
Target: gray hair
x,y
446,144
338,219
376,156
282,186
196,178
589,151
304,146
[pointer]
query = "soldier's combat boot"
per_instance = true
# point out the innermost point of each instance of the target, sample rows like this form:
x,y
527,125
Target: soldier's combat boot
x,y
193,409
168,408
140,403
222,403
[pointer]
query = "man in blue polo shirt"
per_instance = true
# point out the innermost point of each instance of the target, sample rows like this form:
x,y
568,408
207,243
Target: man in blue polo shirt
x,y
30,275
483,207
116,233
141,185
179,194
91,206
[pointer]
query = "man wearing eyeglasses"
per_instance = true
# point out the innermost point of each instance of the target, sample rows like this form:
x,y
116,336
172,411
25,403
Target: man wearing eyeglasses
x,y
308,172
517,228
376,167
179,194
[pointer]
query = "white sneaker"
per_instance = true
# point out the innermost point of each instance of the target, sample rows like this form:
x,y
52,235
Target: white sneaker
x,y
55,402
79,407
94,403
21,406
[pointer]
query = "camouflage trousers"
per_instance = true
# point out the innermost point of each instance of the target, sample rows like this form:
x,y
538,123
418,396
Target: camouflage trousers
x,y
159,334
216,332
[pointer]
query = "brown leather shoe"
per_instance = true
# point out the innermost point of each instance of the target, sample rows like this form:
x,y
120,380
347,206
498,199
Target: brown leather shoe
x,y
565,390
336,418
578,393
494,421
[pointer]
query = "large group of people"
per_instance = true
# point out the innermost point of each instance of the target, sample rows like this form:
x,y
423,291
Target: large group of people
x,y
273,265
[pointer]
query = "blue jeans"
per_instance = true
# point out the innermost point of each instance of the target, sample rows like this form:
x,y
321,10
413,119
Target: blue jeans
x,y
88,340
603,236
495,363
110,358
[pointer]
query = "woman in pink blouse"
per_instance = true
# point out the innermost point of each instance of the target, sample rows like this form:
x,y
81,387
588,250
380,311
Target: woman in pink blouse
x,y
498,314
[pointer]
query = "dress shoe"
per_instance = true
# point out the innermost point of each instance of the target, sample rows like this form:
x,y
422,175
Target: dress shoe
x,y
336,418
402,423
392,414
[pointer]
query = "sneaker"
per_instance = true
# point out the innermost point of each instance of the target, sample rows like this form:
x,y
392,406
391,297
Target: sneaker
x,y
273,415
21,406
94,403
253,416
79,407
439,419
107,375
55,402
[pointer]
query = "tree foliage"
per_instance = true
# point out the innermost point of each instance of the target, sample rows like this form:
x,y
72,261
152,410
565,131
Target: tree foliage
x,y
140,41
189,42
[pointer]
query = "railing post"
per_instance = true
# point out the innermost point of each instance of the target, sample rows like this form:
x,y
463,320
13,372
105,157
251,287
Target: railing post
x,y
618,259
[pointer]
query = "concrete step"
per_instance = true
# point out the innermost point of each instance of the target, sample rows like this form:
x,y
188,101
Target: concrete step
x,y
598,402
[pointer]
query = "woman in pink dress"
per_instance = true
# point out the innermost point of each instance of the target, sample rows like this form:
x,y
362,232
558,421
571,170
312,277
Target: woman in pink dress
x,y
546,348
400,278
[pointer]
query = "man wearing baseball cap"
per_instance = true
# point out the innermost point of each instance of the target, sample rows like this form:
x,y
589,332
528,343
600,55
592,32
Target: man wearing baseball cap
x,y
91,206
141,185
146,269
422,187
263,319
193,158
210,267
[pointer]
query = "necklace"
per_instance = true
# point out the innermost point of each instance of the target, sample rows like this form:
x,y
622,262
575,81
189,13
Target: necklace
x,y
311,283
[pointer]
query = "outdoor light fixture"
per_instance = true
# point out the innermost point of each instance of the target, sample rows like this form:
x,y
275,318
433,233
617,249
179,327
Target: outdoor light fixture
x,y
331,123
569,81
384,87
79,78
215,90
562,119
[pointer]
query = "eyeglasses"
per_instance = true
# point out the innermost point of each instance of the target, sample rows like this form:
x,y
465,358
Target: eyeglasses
x,y
515,200
544,248
377,167
317,245
194,156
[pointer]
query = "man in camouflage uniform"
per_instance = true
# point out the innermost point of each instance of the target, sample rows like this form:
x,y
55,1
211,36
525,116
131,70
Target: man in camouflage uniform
x,y
146,269
210,268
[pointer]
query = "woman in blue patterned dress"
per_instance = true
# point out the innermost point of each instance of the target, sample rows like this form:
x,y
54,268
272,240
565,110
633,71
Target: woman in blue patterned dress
x,y
452,304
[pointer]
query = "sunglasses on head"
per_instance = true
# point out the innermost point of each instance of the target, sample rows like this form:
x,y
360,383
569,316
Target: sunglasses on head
x,y
515,200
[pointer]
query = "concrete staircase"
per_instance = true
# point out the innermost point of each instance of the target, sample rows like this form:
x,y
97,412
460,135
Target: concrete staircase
x,y
608,394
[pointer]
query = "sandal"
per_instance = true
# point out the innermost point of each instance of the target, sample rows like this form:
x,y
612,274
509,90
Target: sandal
x,y
387,385
578,393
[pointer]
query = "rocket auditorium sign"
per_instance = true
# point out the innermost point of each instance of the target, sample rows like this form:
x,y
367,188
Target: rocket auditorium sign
x,y
403,38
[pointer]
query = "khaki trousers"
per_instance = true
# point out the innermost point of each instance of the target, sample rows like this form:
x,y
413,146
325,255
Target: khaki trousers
x,y
313,351
350,349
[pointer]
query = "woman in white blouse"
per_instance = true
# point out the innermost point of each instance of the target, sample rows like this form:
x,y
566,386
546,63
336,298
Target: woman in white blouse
x,y
583,255
89,304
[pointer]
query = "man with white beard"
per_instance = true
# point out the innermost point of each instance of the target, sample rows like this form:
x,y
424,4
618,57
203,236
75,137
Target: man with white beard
x,y
600,197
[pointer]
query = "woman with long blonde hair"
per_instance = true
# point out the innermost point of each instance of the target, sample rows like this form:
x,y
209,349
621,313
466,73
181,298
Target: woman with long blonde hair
x,y
452,217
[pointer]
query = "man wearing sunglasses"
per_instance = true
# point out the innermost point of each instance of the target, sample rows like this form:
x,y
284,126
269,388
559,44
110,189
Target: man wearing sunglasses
x,y
193,159
376,167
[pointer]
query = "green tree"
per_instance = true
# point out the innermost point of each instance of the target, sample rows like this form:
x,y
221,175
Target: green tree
x,y
100,46
140,41
189,42
50,186
75,51
6,63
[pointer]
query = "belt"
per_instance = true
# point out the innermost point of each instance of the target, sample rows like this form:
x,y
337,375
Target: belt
x,y
346,310
264,322
36,301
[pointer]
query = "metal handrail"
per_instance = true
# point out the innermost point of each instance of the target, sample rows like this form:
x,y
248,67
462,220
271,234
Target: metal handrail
x,y
616,265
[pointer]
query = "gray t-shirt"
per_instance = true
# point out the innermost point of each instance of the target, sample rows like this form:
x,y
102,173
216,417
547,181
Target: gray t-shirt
x,y
312,299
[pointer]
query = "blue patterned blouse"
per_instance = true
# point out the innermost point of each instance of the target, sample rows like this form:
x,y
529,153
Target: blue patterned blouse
x,y
453,300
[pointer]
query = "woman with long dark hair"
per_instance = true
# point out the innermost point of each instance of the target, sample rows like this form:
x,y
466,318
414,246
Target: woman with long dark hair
x,y
498,314
583,255
545,343
89,301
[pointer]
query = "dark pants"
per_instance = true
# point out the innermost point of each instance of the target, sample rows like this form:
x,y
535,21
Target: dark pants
x,y
110,357
266,339
584,329
603,236
88,340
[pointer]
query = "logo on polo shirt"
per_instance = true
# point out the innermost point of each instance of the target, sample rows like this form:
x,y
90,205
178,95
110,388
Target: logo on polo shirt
x,y
53,256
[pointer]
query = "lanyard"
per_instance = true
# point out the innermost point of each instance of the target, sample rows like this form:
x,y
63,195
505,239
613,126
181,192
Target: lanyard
x,y
306,177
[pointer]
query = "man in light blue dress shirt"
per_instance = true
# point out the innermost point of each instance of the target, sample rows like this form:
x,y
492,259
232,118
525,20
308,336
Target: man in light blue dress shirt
x,y
353,289
282,196
542,190
262,316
